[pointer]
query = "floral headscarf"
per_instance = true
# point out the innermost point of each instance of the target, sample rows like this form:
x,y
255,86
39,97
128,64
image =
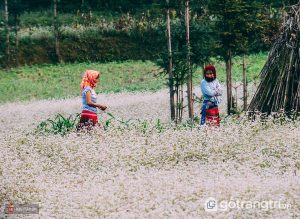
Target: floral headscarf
x,y
89,79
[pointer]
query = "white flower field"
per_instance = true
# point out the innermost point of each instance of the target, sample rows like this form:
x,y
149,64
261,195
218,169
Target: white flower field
x,y
151,169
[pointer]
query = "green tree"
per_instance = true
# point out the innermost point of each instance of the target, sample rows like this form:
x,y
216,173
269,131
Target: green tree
x,y
234,25
187,52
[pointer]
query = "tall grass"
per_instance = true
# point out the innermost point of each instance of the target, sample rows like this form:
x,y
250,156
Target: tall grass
x,y
59,125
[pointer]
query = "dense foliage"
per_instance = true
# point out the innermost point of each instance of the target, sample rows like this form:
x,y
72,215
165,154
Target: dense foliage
x,y
94,30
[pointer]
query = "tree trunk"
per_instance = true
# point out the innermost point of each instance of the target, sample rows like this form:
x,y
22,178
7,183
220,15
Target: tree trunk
x,y
17,19
56,32
177,101
244,84
229,82
181,103
7,52
189,82
170,67
236,98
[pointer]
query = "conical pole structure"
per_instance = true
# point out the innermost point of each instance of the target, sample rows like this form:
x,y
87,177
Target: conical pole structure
x,y
279,89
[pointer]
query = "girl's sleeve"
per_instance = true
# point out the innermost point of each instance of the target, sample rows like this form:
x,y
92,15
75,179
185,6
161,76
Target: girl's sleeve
x,y
86,90
219,89
206,90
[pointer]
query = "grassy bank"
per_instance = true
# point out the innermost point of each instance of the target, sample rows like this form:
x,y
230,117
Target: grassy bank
x,y
60,81
254,64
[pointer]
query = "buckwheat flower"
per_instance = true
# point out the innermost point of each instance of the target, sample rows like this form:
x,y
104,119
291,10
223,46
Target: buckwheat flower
x,y
142,170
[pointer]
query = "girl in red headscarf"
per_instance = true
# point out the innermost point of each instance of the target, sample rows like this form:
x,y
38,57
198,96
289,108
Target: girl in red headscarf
x,y
212,91
89,99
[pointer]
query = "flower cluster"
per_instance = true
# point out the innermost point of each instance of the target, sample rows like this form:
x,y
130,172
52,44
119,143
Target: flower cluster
x,y
142,171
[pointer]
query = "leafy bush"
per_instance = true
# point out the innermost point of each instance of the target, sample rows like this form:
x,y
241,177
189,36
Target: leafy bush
x,y
59,125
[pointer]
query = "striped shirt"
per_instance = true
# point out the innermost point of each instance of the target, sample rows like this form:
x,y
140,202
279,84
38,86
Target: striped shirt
x,y
85,106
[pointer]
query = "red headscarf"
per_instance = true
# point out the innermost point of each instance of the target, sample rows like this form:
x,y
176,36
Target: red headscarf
x,y
89,79
212,68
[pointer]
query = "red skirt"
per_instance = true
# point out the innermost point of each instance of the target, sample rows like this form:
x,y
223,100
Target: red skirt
x,y
212,116
88,119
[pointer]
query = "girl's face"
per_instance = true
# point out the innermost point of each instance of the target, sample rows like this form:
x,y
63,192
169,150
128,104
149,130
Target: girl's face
x,y
209,74
97,79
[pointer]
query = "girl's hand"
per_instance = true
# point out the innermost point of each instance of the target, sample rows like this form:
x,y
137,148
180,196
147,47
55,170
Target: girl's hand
x,y
219,92
102,107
